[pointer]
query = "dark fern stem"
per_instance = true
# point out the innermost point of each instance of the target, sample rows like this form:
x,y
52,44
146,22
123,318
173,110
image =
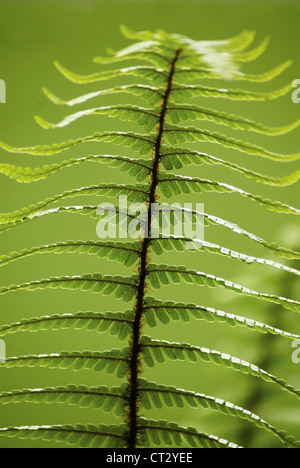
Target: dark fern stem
x,y
135,361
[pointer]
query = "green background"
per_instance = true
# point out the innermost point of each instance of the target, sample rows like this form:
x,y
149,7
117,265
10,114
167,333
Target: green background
x,y
33,35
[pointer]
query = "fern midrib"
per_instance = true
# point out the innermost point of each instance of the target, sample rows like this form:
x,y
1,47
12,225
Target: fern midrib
x,y
135,357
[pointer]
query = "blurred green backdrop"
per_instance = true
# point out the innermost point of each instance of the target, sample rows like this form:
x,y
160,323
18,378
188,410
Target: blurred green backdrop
x,y
33,35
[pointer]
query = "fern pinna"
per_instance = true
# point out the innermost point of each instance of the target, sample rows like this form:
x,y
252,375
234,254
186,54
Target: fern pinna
x,y
174,62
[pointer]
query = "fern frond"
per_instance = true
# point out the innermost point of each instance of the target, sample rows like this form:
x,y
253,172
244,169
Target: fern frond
x,y
145,35
176,185
181,92
126,253
114,361
120,217
206,219
187,74
239,42
184,157
175,62
158,351
104,398
154,74
251,55
178,113
160,433
121,287
150,94
170,41
87,210
135,193
157,395
115,323
178,244
91,211
137,168
89,436
274,248
148,53
164,274
168,311
138,142
176,135
147,118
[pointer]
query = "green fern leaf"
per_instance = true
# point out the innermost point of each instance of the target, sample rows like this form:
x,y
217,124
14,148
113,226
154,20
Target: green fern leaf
x,y
178,113
134,193
115,323
253,54
159,433
183,157
123,252
122,288
87,210
187,74
175,62
135,167
177,135
155,75
215,220
89,436
176,185
136,141
181,92
143,51
157,396
150,94
165,274
104,398
165,312
114,361
147,118
179,244
158,351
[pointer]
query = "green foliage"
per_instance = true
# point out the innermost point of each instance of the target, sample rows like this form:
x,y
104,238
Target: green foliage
x,y
177,66
104,398
115,323
110,361
157,351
